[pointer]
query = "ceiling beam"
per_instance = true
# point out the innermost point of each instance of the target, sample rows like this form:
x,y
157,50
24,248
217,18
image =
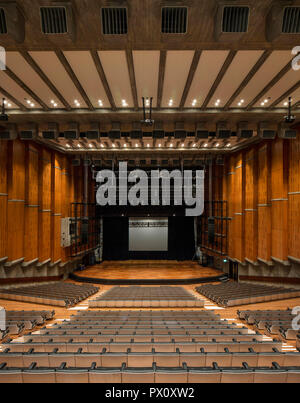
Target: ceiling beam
x,y
69,70
190,78
285,95
18,81
131,71
13,99
219,78
43,76
249,76
103,79
161,76
271,84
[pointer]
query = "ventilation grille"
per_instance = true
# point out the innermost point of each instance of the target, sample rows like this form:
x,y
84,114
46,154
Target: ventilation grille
x,y
235,19
114,21
54,20
291,20
174,20
3,27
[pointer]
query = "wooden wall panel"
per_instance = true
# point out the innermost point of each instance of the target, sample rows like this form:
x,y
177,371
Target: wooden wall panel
x,y
3,197
264,202
56,202
251,194
31,230
279,188
45,206
294,200
16,200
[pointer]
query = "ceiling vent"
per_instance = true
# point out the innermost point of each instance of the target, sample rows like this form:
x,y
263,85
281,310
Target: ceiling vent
x,y
54,20
291,20
283,23
235,19
114,21
28,132
115,132
174,20
286,132
202,131
3,26
267,130
223,132
179,132
12,22
8,132
93,133
244,130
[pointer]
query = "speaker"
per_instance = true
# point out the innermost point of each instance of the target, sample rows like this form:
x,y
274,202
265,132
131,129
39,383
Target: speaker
x,y
51,131
267,130
72,132
244,131
286,132
29,132
223,132
211,229
8,132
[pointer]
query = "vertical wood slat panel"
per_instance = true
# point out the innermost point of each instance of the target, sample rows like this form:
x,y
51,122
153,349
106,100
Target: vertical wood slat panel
x,y
251,194
264,202
3,198
16,200
56,201
294,199
238,207
45,206
279,175
31,230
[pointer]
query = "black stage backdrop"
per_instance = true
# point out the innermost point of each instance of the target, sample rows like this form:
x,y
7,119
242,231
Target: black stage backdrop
x,y
181,241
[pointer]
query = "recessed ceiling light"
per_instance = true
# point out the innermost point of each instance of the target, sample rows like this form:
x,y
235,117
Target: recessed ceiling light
x,y
9,105
171,145
68,145
217,145
239,104
125,145
228,145
266,101
78,145
194,145
91,145
101,145
262,104
285,104
205,145
55,105
148,145
29,102
159,145
242,101
32,105
182,145
113,145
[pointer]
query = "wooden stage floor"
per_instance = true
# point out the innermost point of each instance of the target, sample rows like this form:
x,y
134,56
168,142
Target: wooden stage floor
x,y
148,269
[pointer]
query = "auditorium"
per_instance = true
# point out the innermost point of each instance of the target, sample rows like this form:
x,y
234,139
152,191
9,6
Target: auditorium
x,y
149,193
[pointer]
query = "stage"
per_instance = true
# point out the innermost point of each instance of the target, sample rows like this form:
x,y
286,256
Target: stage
x,y
155,272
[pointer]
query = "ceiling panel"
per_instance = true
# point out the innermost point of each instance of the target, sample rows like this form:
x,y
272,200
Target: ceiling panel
x,y
178,64
237,71
8,103
54,70
116,70
286,82
295,98
15,90
86,72
22,69
146,67
265,74
210,63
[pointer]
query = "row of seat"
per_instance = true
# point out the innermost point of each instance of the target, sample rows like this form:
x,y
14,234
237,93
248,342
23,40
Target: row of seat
x,y
58,294
113,346
153,374
15,322
277,322
201,358
233,293
146,297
